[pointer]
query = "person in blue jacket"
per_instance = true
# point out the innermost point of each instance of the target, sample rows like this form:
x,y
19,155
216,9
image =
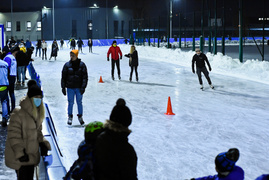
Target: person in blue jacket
x,y
3,91
83,167
263,177
225,167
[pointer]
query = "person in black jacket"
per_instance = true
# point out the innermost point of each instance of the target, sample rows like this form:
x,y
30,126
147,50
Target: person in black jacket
x,y
80,43
90,45
133,62
74,82
22,61
116,159
54,50
83,167
199,59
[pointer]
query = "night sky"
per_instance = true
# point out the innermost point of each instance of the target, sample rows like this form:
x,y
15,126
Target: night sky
x,y
142,8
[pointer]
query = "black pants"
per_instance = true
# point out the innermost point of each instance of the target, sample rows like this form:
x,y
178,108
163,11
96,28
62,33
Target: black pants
x,y
113,62
131,73
205,72
25,173
90,48
44,52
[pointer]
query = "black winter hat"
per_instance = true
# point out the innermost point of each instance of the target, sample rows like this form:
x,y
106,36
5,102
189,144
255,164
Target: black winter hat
x,y
14,48
114,42
226,161
121,113
33,89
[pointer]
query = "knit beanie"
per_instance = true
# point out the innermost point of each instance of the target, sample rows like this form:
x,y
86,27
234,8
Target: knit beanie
x,y
75,51
226,161
33,89
114,42
121,113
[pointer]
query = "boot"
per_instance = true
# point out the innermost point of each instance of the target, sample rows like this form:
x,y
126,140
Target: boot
x,y
4,122
119,77
70,118
130,79
137,79
202,87
212,87
80,119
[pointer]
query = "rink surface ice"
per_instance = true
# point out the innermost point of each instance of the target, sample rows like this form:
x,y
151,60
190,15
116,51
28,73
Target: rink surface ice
x,y
183,146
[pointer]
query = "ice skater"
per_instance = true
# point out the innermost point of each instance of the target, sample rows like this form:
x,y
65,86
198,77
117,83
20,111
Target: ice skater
x,y
74,82
199,59
115,51
133,62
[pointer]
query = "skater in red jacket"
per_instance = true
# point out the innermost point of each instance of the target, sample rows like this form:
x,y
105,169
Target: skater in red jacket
x,y
116,55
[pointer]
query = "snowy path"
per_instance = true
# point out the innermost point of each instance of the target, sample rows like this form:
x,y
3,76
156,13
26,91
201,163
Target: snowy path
x,y
183,146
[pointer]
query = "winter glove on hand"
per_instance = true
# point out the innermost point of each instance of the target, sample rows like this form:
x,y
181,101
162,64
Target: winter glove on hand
x,y
121,57
82,90
24,158
210,68
64,91
43,149
193,71
108,59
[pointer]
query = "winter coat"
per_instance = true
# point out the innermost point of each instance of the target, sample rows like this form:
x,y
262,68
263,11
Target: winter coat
x,y
133,58
89,43
38,44
263,177
115,158
12,64
237,173
83,167
21,58
54,49
74,75
28,44
115,52
80,43
200,61
24,133
44,45
3,73
73,43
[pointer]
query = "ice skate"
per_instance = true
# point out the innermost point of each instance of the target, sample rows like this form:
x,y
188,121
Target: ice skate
x,y
113,78
202,87
130,79
119,77
70,118
80,119
137,79
212,87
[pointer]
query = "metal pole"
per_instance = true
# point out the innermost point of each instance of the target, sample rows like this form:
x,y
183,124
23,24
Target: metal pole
x,y
202,28
11,17
215,39
179,38
209,20
241,30
106,21
53,21
263,25
223,24
171,17
193,36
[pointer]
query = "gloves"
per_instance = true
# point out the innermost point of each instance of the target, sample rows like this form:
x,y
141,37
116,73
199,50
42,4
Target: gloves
x,y
82,90
210,68
43,149
24,158
121,57
107,58
64,91
193,71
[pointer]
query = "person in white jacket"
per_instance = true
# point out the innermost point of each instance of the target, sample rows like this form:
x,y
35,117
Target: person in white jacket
x,y
44,49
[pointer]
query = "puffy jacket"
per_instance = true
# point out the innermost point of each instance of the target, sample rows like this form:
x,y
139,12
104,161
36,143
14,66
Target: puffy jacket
x,y
237,173
3,73
24,133
21,58
115,52
200,61
12,64
115,158
74,75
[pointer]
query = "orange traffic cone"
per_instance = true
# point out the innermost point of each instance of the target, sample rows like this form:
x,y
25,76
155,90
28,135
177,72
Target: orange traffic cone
x,y
169,108
101,80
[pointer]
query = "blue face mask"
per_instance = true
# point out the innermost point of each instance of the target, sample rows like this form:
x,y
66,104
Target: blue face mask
x,y
37,101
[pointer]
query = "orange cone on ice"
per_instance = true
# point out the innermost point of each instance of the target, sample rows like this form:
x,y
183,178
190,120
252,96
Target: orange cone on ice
x,y
169,108
101,80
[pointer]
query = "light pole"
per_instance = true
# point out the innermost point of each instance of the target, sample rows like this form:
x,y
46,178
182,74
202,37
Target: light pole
x,y
11,17
171,17
53,21
106,21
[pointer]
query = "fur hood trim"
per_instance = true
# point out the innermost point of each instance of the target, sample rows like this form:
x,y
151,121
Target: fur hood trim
x,y
116,127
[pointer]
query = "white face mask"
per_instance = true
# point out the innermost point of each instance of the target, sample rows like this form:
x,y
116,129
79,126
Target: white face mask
x,y
37,101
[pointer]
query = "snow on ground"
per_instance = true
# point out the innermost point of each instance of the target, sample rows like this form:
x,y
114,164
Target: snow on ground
x,y
206,123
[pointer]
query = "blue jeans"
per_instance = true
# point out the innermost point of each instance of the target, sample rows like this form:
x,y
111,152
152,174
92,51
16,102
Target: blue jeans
x,y
21,74
3,97
38,49
71,93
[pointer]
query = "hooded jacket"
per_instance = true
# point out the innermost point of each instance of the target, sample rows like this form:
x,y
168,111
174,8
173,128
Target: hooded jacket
x,y
115,158
24,133
74,75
